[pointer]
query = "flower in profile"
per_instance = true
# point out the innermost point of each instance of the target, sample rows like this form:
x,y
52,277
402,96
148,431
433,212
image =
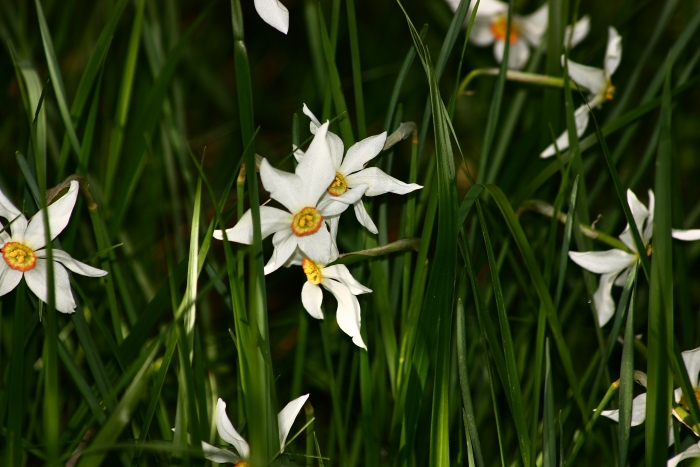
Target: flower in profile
x,y
302,193
23,254
337,280
614,265
273,13
350,171
229,434
597,81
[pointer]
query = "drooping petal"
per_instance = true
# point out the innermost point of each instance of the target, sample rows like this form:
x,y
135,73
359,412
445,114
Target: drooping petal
x,y
37,280
14,217
222,456
692,451
686,235
604,303
588,77
649,229
314,123
335,205
348,313
9,278
379,182
286,417
311,298
534,25
622,278
228,433
481,34
691,358
639,411
362,152
72,264
271,220
59,215
581,116
341,273
317,246
316,169
517,56
363,217
640,213
285,243
613,52
603,262
273,13
581,30
284,187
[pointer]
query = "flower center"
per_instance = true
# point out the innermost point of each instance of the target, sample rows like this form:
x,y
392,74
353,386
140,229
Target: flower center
x,y
312,271
18,256
684,403
610,92
306,222
339,185
499,27
242,464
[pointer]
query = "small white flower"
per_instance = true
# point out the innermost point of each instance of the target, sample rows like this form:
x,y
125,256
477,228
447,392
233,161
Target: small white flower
x,y
23,254
614,265
350,172
597,81
692,451
302,193
273,13
229,434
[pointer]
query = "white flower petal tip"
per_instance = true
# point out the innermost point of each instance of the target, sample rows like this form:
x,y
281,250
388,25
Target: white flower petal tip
x,y
581,30
581,117
218,234
686,235
603,262
692,451
228,433
613,52
273,13
221,456
357,340
691,358
287,416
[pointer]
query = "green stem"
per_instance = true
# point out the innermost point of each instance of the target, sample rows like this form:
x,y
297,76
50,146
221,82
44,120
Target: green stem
x,y
514,75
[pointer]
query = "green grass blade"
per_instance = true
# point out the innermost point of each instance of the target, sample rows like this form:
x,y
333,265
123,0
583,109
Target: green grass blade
x,y
566,242
356,71
626,386
380,299
549,437
15,397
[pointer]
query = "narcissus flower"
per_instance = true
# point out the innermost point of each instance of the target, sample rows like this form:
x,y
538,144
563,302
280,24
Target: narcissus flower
x,y
273,13
337,280
229,434
23,254
614,265
597,81
350,172
302,193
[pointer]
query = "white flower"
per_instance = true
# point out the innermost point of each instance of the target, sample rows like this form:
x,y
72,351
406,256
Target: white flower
x,y
229,434
614,265
23,253
691,359
597,81
350,172
273,13
692,451
302,194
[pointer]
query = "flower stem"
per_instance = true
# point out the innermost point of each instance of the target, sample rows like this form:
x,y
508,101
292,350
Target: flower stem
x,y
513,75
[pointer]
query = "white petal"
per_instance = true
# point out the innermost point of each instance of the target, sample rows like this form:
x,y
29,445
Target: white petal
x,y
481,34
271,220
604,303
335,205
622,278
348,313
296,259
581,30
316,169
649,229
517,56
285,243
298,153
284,187
228,433
639,409
341,273
487,8
602,262
311,298
686,235
362,152
333,226
533,26
9,278
286,417
13,215
72,264
317,246
274,14
314,124
692,451
222,456
640,214
588,77
363,217
59,215
581,116
692,364
4,236
335,144
613,53
37,280
379,182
